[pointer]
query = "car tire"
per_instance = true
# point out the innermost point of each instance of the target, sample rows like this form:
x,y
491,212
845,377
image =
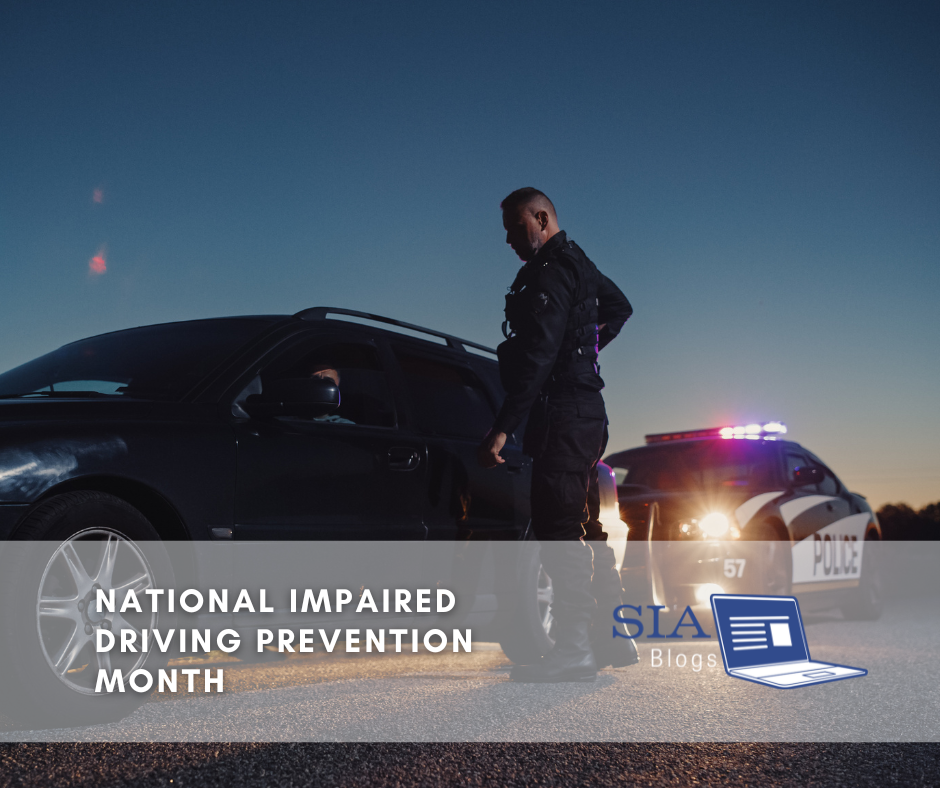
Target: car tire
x,y
776,561
65,549
866,602
527,635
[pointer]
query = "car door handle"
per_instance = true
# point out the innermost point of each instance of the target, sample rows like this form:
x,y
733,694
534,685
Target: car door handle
x,y
402,458
513,468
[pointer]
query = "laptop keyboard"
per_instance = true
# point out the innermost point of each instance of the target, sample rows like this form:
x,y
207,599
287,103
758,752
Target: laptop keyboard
x,y
784,668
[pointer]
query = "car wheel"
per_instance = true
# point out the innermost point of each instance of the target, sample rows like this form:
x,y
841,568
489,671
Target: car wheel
x,y
775,561
528,633
67,548
867,601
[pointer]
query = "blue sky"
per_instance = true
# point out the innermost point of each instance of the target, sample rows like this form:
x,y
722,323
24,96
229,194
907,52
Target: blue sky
x,y
762,180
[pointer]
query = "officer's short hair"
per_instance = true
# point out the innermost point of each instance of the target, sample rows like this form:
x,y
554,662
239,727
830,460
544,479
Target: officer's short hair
x,y
525,196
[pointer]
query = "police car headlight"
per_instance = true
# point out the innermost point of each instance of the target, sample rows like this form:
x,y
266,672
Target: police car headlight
x,y
714,525
703,594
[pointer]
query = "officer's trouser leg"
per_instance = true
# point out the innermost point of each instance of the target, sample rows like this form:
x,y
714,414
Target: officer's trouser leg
x,y
558,508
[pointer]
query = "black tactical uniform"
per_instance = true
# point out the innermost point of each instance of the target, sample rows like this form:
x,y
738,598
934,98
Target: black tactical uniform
x,y
548,366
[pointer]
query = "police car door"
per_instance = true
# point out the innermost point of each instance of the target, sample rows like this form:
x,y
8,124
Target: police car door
x,y
837,548
811,512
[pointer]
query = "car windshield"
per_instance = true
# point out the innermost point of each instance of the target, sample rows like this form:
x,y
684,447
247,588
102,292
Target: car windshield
x,y
696,466
153,362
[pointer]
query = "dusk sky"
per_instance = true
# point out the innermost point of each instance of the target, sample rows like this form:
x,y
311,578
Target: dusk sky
x,y
761,179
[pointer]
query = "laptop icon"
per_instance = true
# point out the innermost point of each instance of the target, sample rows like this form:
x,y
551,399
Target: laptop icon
x,y
763,640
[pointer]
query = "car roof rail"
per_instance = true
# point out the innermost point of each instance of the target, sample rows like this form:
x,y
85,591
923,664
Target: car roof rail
x,y
320,313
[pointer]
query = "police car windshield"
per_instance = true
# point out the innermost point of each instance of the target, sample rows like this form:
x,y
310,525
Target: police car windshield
x,y
695,466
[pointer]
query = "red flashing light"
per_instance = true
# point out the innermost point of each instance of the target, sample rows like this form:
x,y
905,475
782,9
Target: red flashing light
x,y
662,437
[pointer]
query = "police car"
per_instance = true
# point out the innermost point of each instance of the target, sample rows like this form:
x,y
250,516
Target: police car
x,y
741,509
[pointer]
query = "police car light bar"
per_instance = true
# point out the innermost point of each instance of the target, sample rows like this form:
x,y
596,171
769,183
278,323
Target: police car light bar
x,y
768,431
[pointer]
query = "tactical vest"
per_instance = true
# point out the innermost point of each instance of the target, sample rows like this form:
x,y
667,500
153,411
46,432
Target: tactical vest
x,y
578,351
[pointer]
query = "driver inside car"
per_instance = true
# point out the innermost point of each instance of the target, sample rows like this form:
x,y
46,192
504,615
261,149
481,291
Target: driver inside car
x,y
327,371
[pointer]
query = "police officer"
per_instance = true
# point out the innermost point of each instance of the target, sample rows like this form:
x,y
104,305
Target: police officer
x,y
560,311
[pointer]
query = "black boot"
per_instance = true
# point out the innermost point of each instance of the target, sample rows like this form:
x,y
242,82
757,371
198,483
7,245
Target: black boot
x,y
570,660
609,638
569,564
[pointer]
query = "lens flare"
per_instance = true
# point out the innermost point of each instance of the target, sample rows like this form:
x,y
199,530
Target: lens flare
x,y
714,525
98,196
703,593
97,265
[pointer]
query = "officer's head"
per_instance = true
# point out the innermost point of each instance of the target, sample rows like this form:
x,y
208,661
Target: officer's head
x,y
530,220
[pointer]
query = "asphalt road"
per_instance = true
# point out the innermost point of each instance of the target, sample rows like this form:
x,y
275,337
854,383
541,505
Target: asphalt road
x,y
428,719
236,765
467,697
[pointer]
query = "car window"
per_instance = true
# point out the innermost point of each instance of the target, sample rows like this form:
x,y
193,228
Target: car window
x,y
365,395
795,461
696,465
114,387
830,485
448,399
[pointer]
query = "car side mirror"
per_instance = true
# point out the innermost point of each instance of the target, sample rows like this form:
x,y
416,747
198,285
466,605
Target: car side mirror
x,y
302,397
807,474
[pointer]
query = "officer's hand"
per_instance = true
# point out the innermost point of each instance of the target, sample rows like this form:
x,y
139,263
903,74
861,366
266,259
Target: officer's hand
x,y
488,453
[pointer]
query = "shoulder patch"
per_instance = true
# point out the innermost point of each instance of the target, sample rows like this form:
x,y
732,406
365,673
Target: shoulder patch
x,y
539,302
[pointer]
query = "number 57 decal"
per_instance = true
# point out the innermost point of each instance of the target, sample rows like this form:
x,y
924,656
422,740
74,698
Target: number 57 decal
x,y
734,567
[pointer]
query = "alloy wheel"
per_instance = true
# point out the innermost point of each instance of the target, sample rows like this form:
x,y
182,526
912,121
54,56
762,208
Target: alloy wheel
x,y
68,616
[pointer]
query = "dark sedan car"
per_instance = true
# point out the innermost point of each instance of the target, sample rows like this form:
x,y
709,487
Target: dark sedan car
x,y
234,430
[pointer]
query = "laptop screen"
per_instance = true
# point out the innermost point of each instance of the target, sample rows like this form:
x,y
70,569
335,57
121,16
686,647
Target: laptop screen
x,y
759,630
